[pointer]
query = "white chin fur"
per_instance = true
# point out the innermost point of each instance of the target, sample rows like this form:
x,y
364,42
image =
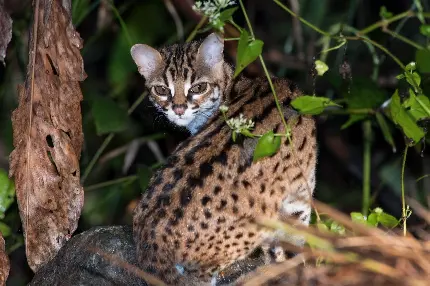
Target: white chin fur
x,y
184,120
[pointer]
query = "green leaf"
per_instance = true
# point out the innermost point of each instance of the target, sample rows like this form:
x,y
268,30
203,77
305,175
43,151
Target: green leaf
x,y
385,130
414,79
227,14
358,217
7,192
422,58
411,66
5,229
364,93
247,52
308,104
321,67
425,30
401,117
337,228
384,13
108,116
353,118
415,108
234,136
420,14
144,173
387,220
247,133
322,227
267,145
372,219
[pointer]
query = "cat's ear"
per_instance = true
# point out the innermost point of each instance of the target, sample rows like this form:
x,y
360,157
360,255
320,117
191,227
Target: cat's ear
x,y
147,59
211,50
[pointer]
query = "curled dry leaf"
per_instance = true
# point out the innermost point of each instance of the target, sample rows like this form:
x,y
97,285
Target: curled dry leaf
x,y
5,32
4,263
47,135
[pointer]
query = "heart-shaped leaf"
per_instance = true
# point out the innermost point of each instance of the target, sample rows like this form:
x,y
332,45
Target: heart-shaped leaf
x,y
387,220
309,104
406,122
247,51
267,145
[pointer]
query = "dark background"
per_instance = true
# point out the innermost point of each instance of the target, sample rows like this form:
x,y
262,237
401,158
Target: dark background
x,y
113,85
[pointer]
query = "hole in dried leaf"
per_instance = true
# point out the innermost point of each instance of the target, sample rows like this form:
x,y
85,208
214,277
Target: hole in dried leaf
x,y
52,161
49,141
54,70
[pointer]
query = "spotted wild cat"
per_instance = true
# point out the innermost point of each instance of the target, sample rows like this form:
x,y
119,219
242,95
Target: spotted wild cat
x,y
197,216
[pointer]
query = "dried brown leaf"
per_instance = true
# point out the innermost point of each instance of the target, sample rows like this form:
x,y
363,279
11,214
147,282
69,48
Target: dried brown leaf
x,y
47,134
4,263
5,32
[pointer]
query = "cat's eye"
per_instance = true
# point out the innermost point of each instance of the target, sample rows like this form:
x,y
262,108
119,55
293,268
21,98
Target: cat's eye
x,y
199,88
161,90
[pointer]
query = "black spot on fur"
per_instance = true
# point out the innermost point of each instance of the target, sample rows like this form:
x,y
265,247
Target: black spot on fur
x,y
185,196
206,200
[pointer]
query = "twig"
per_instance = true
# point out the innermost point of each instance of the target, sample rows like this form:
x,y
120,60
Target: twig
x,y
403,190
178,23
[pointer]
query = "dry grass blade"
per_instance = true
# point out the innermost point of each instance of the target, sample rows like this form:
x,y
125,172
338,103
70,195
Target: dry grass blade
x,y
375,257
47,134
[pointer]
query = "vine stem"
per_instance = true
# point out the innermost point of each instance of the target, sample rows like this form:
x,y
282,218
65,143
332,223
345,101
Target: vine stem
x,y
403,191
367,134
313,27
198,26
130,179
266,72
359,34
248,23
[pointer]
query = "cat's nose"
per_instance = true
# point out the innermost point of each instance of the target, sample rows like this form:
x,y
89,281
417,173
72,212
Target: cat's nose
x,y
179,109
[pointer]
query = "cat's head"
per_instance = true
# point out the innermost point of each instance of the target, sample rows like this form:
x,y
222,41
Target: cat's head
x,y
186,82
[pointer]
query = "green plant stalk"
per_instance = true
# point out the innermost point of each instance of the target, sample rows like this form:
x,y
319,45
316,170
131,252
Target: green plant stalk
x,y
121,22
266,72
403,39
111,182
358,37
198,26
403,191
386,22
313,27
379,46
248,23
96,156
342,43
367,154
422,177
